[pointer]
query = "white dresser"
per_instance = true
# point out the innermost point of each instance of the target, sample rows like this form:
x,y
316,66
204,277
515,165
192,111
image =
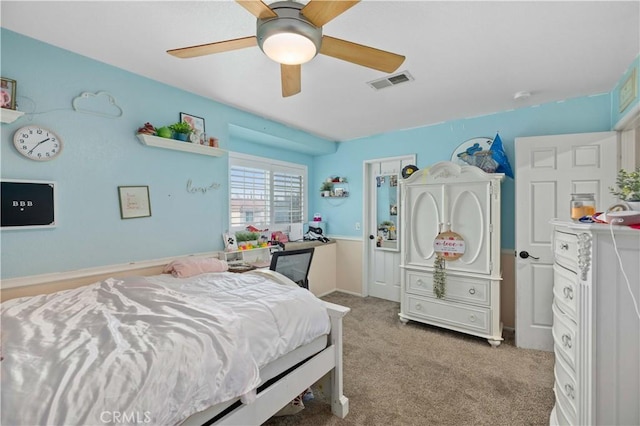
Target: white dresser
x,y
596,330
466,200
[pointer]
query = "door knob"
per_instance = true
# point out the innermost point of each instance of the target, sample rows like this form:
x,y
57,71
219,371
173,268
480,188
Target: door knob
x,y
371,237
525,254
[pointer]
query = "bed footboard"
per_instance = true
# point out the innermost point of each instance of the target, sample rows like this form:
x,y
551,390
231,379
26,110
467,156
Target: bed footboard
x,y
339,402
325,367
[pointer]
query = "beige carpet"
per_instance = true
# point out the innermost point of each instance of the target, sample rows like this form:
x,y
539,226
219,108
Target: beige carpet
x,y
416,374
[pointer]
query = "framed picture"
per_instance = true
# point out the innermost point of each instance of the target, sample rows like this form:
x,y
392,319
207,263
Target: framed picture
x,y
28,204
230,243
628,91
8,93
134,202
197,124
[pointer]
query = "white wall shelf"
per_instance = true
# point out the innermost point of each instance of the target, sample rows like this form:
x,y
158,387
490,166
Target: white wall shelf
x,y
166,143
339,189
10,115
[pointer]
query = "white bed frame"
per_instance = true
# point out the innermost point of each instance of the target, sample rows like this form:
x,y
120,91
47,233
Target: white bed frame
x,y
325,364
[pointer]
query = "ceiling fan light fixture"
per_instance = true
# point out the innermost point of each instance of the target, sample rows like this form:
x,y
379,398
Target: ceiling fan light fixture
x,y
289,48
289,38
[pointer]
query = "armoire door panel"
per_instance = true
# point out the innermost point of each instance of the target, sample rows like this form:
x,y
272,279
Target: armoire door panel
x,y
425,215
469,216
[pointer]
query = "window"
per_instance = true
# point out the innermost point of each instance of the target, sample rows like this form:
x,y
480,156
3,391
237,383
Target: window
x,y
265,193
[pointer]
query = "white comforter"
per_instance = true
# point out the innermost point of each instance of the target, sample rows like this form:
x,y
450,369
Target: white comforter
x,y
148,350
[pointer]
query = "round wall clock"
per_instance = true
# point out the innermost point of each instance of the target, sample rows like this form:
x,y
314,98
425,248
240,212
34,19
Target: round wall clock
x,y
37,143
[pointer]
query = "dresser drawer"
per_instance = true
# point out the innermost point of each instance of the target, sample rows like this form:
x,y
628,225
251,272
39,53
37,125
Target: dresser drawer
x,y
462,316
463,289
564,332
566,389
565,287
565,250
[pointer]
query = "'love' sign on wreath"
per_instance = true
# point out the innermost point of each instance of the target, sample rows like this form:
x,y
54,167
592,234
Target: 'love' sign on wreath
x,y
449,245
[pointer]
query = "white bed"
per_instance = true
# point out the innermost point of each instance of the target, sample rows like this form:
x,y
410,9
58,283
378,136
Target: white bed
x,y
164,350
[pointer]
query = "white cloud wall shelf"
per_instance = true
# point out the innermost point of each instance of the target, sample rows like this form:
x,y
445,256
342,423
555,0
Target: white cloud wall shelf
x,y
180,146
10,115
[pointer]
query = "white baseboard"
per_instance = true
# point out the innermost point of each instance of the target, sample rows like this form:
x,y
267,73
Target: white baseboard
x,y
346,292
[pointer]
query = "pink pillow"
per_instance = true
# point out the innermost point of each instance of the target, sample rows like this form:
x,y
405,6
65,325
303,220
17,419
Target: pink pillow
x,y
185,268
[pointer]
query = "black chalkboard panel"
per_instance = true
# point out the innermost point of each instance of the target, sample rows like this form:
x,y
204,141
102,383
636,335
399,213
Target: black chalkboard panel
x,y
27,204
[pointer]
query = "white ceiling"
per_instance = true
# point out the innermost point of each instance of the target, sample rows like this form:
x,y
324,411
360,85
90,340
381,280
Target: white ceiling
x,y
467,58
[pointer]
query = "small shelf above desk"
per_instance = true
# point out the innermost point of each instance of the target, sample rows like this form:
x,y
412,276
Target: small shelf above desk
x,y
175,145
10,115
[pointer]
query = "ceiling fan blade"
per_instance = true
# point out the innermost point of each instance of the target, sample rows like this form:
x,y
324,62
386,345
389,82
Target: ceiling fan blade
x,y
211,48
361,55
291,79
257,8
319,12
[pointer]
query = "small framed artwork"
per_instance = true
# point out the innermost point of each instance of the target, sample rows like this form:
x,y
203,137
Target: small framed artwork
x,y
197,124
230,243
628,91
393,180
28,204
8,93
134,202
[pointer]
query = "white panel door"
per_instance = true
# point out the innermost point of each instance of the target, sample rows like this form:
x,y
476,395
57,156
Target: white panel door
x,y
548,170
382,263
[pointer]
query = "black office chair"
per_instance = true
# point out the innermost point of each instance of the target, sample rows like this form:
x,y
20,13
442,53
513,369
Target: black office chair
x,y
293,264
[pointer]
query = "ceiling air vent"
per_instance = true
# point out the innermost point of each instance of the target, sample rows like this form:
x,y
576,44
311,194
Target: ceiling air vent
x,y
392,80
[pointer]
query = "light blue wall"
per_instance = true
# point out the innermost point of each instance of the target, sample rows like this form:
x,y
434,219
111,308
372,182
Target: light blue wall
x,y
436,143
102,153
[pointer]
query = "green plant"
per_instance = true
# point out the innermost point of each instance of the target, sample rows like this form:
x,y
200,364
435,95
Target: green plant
x,y
181,127
243,236
387,223
627,185
326,186
439,277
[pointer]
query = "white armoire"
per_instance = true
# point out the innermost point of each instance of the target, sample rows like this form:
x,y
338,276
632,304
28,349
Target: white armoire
x,y
596,324
464,200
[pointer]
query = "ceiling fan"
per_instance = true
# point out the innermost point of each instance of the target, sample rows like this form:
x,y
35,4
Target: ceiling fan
x,y
290,33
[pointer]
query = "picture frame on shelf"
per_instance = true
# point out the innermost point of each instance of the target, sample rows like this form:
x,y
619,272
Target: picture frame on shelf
x,y
8,93
134,202
230,243
197,124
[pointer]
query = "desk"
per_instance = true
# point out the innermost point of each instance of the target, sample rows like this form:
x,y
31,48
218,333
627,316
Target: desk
x,y
322,275
295,245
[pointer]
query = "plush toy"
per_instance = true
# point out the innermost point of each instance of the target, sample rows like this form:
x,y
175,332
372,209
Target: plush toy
x,y
501,157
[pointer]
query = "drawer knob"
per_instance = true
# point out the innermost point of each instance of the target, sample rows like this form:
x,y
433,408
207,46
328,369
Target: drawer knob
x,y
472,290
566,341
568,293
564,246
420,283
569,391
472,318
418,307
